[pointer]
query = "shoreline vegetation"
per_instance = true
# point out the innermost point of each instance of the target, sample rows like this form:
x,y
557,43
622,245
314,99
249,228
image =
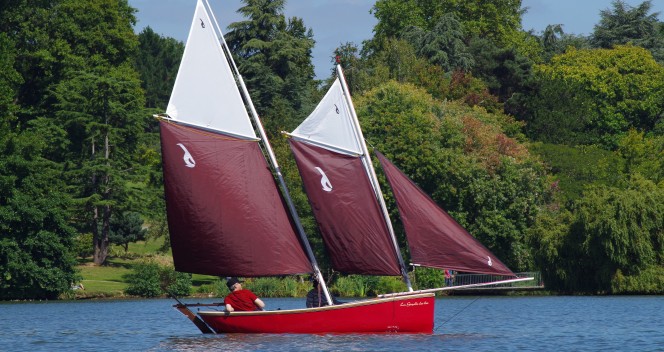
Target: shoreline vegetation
x,y
547,147
124,277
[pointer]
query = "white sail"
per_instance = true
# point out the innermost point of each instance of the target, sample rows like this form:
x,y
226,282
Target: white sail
x,y
331,123
205,92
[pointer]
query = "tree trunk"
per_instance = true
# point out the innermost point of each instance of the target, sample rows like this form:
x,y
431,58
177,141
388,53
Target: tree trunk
x,y
96,239
102,245
100,238
95,235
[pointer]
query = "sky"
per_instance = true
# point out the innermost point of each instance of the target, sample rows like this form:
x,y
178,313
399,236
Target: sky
x,y
335,22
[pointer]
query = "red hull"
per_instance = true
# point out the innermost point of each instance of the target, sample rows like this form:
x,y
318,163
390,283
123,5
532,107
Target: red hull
x,y
404,314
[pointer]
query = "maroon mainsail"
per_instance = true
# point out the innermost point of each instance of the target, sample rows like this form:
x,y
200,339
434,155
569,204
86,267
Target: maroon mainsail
x,y
434,238
346,210
225,214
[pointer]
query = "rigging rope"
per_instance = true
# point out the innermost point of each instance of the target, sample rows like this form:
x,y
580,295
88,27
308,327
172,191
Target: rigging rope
x,y
459,312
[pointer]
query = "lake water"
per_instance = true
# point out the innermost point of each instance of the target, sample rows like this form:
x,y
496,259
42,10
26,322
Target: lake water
x,y
625,323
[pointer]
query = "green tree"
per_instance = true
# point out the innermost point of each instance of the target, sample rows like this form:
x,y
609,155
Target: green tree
x,y
580,166
397,60
551,35
126,227
101,112
443,45
9,80
36,260
593,96
642,155
505,70
395,16
555,41
462,157
53,37
274,58
458,39
630,25
499,20
35,234
157,62
23,22
96,98
612,236
621,228
144,280
73,127
354,66
548,239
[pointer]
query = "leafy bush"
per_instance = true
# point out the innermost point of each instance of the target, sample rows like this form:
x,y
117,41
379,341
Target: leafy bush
x,y
216,288
352,286
278,287
178,283
144,280
362,286
83,245
291,288
648,281
39,268
577,167
149,279
424,278
388,284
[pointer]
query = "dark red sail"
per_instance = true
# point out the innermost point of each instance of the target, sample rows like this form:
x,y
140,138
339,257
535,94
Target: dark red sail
x,y
225,214
347,212
434,238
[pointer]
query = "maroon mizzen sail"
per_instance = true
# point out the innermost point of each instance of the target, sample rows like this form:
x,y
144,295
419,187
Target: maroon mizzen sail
x,y
346,210
434,238
225,214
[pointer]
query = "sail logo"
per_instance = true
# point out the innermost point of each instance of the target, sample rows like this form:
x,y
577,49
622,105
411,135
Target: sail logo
x,y
188,159
202,23
324,181
489,262
336,108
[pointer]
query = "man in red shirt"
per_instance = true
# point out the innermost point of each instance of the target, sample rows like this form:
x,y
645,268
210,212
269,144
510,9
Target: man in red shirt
x,y
240,299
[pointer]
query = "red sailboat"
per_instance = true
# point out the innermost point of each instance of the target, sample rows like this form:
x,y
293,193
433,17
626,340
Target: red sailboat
x,y
230,213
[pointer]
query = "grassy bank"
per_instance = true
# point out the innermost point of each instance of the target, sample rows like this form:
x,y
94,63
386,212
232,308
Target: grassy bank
x,y
111,280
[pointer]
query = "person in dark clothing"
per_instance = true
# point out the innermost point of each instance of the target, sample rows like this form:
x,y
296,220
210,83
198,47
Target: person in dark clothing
x,y
316,297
